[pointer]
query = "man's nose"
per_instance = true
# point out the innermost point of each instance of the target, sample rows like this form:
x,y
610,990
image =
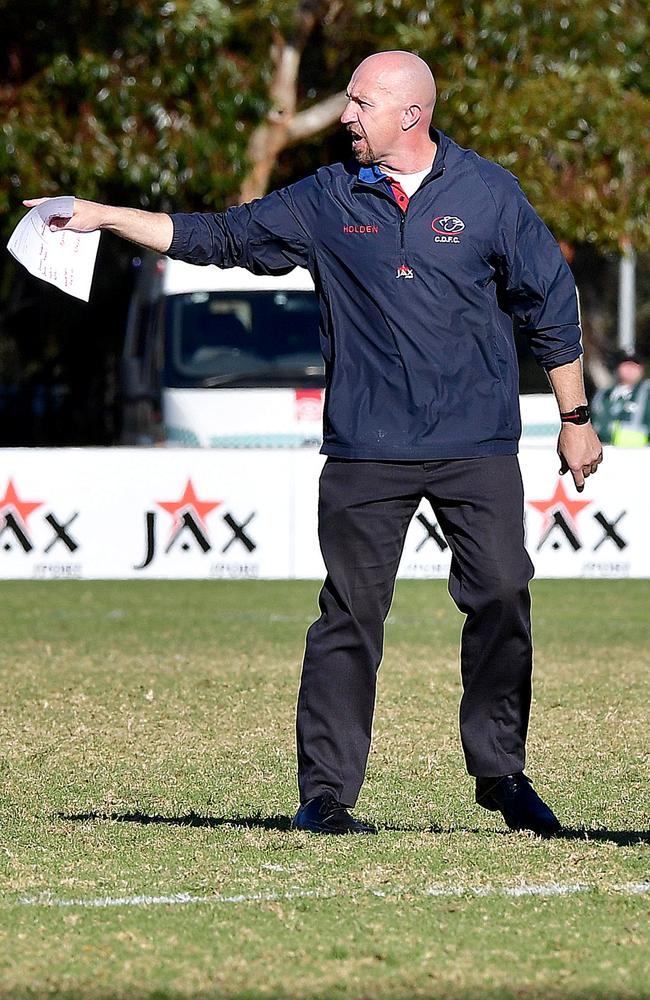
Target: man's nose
x,y
348,114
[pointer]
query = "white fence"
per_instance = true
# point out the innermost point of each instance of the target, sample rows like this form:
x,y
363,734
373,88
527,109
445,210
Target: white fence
x,y
184,513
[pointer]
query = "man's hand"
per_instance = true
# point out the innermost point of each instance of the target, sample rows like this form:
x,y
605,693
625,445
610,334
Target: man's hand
x,y
153,230
86,217
580,452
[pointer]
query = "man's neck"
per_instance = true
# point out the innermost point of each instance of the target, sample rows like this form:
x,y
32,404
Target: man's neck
x,y
411,161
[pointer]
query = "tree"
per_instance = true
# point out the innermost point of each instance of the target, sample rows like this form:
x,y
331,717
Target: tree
x,y
193,102
284,126
149,102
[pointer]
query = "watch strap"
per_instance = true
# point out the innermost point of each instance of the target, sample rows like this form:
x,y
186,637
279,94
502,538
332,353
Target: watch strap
x,y
579,415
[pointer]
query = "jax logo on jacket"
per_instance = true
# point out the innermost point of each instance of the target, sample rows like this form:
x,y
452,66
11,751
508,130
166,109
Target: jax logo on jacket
x,y
447,228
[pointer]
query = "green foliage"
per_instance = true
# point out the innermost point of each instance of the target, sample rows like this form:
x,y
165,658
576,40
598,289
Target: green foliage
x,y
149,101
153,102
558,92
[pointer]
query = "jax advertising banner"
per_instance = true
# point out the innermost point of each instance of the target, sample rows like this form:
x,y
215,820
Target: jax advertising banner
x,y
194,514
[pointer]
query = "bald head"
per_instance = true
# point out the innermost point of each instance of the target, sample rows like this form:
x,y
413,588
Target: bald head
x,y
391,97
402,75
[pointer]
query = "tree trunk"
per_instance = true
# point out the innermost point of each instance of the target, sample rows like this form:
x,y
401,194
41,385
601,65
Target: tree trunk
x,y
285,126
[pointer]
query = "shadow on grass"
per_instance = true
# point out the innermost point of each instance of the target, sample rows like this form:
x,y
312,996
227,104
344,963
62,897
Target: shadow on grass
x,y
190,819
193,819
622,838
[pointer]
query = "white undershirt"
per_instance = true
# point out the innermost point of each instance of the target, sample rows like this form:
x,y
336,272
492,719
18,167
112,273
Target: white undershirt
x,y
410,182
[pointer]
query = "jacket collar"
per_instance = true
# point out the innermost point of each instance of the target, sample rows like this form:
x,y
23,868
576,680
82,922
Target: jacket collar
x,y
370,175
374,174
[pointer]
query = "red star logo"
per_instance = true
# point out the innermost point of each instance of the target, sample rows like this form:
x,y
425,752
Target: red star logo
x,y
189,502
559,501
21,508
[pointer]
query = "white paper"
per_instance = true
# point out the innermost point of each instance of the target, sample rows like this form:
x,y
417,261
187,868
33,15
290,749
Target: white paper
x,y
62,257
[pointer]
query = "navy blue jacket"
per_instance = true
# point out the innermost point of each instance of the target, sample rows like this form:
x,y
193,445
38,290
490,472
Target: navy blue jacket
x,y
416,307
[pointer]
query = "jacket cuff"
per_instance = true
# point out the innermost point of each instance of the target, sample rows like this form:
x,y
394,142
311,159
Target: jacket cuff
x,y
563,356
178,239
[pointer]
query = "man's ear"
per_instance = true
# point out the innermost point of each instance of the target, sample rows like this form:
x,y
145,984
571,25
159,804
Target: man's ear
x,y
411,116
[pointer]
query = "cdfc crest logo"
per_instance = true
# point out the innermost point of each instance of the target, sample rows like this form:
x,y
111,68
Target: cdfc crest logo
x,y
447,228
447,225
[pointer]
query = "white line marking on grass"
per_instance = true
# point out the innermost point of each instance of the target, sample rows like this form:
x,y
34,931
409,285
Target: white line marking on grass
x,y
176,899
437,891
637,888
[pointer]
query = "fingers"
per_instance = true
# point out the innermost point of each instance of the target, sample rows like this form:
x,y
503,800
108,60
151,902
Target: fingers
x,y
591,467
588,469
56,222
578,479
578,473
580,453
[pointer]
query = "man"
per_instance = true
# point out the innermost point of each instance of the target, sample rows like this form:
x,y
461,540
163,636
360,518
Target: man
x,y
621,414
421,255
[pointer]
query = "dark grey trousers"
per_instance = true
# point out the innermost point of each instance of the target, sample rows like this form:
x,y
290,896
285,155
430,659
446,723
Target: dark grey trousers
x,y
364,512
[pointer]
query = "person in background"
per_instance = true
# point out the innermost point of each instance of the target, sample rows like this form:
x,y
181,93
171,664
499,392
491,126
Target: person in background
x,y
621,414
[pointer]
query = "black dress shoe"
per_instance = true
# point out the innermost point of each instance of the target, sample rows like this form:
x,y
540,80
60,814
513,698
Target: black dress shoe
x,y
325,815
521,807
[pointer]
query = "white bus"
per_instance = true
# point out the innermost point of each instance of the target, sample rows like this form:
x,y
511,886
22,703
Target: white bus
x,y
225,359
222,358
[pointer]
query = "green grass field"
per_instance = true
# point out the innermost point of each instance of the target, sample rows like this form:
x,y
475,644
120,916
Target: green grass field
x,y
148,752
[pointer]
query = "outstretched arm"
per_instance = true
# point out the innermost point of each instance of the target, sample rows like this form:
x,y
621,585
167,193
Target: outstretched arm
x,y
153,230
271,235
578,445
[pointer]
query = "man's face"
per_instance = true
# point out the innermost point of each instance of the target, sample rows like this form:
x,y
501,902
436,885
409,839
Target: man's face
x,y
371,117
629,373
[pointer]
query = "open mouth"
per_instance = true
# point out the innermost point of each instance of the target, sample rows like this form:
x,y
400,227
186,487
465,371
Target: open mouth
x,y
356,137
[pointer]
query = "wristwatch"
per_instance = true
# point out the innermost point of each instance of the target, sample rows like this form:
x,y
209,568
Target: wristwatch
x,y
579,415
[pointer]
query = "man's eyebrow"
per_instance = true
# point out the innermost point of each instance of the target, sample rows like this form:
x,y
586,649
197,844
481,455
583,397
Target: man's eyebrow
x,y
357,97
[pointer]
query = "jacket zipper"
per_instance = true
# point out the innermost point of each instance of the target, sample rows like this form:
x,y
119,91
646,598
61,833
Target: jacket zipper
x,y
402,221
402,214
